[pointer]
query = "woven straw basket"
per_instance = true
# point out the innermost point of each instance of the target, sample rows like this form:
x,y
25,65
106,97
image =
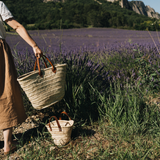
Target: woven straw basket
x,y
44,87
60,130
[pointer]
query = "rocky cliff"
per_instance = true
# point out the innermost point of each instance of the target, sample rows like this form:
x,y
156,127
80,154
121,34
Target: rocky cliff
x,y
139,7
122,3
151,13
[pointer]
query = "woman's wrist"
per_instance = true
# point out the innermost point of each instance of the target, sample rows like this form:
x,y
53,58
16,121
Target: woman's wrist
x,y
34,46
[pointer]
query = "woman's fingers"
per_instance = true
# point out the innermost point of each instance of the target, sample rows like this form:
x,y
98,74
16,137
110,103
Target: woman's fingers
x,y
38,53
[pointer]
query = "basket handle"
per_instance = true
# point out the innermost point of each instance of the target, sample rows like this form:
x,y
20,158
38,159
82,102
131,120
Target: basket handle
x,y
60,118
37,62
60,129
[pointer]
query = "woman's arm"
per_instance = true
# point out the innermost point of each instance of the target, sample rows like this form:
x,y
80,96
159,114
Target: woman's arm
x,y
25,35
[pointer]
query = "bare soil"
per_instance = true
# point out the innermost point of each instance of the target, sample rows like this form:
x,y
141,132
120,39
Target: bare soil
x,y
30,123
29,128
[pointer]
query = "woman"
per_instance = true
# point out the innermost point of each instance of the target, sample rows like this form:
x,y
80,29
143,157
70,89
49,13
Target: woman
x,y
12,110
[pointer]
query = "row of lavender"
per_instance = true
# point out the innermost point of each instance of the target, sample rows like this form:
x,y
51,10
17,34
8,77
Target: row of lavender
x,y
86,39
99,44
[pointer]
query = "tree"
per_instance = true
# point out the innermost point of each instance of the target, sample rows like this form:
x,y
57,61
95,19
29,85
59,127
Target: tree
x,y
105,19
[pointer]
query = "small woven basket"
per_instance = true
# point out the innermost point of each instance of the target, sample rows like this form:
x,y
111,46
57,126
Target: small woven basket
x,y
44,87
60,130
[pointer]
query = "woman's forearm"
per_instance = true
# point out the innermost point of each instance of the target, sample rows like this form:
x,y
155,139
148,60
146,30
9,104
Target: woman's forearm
x,y
25,35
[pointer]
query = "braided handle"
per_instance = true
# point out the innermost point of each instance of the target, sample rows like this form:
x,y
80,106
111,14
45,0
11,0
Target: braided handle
x,y
37,62
60,129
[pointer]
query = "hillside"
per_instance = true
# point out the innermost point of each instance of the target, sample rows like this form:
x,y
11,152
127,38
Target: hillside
x,y
35,14
138,7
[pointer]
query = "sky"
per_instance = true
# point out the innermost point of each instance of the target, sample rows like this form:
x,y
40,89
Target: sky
x,y
155,4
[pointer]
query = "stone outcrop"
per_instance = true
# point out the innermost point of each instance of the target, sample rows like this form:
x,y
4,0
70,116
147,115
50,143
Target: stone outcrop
x,y
151,13
122,3
139,7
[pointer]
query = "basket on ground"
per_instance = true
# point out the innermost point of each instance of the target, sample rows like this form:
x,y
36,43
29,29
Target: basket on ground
x,y
60,130
44,87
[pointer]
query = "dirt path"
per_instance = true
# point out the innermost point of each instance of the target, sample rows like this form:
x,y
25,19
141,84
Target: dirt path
x,y
29,128
20,131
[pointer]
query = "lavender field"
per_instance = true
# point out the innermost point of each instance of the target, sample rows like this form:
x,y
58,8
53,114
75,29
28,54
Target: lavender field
x,y
86,39
112,88
115,51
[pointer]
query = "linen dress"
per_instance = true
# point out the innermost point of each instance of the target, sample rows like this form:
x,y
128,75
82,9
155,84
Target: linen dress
x,y
12,110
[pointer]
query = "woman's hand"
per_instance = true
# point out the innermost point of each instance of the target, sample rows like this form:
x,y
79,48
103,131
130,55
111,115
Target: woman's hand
x,y
38,53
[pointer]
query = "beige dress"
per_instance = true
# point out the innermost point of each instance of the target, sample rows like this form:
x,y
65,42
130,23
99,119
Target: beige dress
x,y
12,110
